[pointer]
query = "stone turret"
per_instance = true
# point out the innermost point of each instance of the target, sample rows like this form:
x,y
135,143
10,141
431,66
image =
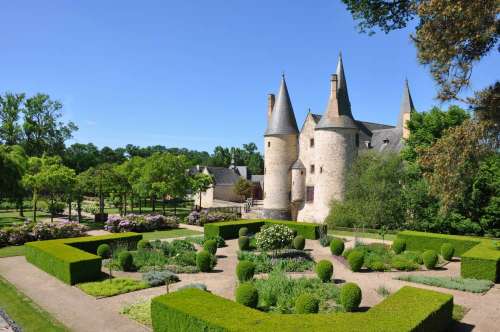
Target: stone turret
x,y
280,152
405,111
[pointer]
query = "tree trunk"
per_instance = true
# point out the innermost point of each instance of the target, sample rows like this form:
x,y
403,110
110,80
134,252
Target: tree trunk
x,y
69,210
52,209
79,209
153,203
140,205
34,205
125,203
21,207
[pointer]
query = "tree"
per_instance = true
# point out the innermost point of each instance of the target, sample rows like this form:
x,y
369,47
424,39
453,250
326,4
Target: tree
x,y
243,188
10,109
81,157
200,183
13,164
450,37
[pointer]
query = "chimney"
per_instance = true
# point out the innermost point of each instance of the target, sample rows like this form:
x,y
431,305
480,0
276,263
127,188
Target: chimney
x,y
270,106
334,85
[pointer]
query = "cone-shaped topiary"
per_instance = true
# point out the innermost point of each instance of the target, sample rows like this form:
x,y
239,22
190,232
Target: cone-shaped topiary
x,y
205,261
447,251
337,247
356,259
244,242
299,242
430,258
324,270
350,296
247,295
104,251
245,271
210,246
143,244
306,304
398,246
243,231
126,260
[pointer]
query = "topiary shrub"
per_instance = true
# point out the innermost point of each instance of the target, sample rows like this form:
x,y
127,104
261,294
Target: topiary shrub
x,y
126,261
447,251
356,259
324,270
430,258
104,251
158,278
247,295
245,271
274,237
299,242
210,246
398,246
337,247
350,296
306,304
205,261
243,231
143,245
244,242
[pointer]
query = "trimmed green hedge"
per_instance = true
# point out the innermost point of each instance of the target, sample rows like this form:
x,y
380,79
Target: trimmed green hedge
x,y
479,259
409,309
74,260
229,229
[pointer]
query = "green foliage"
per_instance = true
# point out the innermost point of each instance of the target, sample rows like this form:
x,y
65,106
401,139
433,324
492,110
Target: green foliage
x,y
337,247
244,242
139,311
398,246
243,188
430,258
245,271
403,263
126,261
210,246
265,263
112,287
247,295
350,296
447,251
143,245
324,270
243,231
299,242
458,283
274,237
356,260
104,250
205,261
158,278
306,304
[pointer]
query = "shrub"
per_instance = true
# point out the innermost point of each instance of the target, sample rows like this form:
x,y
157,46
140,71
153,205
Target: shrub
x,y
447,251
325,240
350,296
210,246
194,285
306,304
324,270
104,250
430,258
298,262
337,247
356,260
398,246
244,242
205,261
247,295
140,223
274,237
401,263
462,284
126,261
158,278
143,244
245,271
299,242
243,231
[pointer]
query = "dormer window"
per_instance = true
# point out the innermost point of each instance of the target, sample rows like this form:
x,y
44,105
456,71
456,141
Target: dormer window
x,y
311,143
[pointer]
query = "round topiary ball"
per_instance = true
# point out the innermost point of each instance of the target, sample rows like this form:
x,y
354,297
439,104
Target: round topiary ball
x,y
210,246
245,271
356,259
143,244
398,246
430,258
126,260
204,261
243,231
324,270
447,251
337,247
350,296
306,304
247,295
104,251
244,242
299,242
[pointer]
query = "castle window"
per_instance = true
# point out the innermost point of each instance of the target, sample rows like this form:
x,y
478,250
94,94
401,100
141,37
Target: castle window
x,y
311,142
357,140
301,172
268,144
386,141
321,169
309,194
311,169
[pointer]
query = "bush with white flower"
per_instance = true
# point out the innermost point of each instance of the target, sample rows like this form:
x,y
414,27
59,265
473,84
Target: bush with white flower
x,y
274,237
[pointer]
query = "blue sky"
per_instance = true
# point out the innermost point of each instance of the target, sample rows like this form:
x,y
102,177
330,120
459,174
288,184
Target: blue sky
x,y
196,74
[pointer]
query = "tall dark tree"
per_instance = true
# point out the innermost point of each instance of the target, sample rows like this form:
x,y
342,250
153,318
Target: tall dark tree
x,y
81,157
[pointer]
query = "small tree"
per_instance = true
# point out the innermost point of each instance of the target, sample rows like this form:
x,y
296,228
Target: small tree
x,y
201,182
243,188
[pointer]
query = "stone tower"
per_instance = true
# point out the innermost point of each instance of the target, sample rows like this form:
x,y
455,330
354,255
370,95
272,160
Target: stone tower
x,y
405,111
280,152
336,136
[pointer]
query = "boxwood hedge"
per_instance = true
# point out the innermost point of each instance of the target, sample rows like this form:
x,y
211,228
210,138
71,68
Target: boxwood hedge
x,y
229,229
74,260
479,259
409,309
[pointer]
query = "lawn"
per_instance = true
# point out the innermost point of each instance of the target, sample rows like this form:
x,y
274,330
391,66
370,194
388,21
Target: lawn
x,y
11,217
389,237
171,233
111,287
11,251
28,315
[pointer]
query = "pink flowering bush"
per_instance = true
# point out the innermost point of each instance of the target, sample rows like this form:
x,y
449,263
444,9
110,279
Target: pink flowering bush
x,y
18,235
140,223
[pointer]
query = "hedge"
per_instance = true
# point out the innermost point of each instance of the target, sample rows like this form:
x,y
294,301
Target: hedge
x,y
74,260
229,229
479,259
409,309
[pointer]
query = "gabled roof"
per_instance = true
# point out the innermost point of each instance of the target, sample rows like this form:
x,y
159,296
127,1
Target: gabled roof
x,y
222,175
282,120
406,104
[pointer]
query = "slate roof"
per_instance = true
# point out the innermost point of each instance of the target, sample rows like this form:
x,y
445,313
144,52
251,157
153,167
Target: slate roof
x,y
282,120
222,175
406,104
387,139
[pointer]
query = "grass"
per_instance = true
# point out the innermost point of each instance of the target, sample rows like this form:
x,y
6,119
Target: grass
x,y
11,251
458,283
383,291
388,237
139,311
28,315
11,217
112,287
171,233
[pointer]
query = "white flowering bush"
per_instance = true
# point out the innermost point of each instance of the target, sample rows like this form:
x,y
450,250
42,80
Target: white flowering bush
x,y
274,237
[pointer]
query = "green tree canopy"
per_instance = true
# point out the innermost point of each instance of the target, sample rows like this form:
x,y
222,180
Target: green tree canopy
x,y
11,107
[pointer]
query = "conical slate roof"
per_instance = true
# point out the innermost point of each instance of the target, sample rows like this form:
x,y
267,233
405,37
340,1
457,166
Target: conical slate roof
x,y
282,120
406,104
298,165
338,112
